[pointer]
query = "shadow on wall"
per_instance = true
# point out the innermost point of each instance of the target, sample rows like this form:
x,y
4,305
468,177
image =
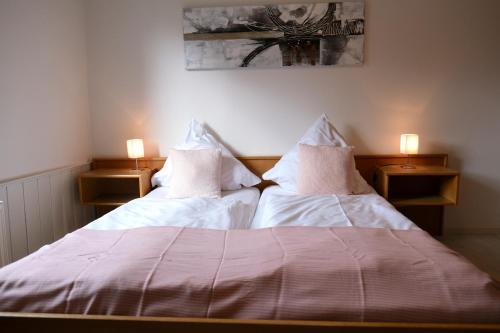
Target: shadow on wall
x,y
352,138
454,158
151,148
476,194
218,138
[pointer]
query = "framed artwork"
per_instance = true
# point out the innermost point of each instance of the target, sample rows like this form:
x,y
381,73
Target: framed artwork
x,y
313,34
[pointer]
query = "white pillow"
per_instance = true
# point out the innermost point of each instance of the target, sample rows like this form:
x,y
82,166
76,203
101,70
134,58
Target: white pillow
x,y
196,173
234,173
284,173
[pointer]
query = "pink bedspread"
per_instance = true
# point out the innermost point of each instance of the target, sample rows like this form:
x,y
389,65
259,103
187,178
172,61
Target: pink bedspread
x,y
348,274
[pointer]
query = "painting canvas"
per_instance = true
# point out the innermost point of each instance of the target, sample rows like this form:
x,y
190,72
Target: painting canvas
x,y
313,34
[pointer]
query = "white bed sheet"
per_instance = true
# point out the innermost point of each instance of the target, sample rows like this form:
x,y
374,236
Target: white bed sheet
x,y
278,207
234,210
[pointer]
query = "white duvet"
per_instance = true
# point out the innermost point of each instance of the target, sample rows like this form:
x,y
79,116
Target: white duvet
x,y
278,207
234,210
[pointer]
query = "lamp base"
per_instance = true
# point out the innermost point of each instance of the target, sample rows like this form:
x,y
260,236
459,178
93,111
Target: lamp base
x,y
408,166
136,166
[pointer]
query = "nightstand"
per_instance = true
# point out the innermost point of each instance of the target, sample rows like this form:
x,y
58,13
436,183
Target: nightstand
x,y
107,189
421,193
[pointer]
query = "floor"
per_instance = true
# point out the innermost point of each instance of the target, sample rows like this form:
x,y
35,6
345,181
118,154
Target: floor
x,y
482,250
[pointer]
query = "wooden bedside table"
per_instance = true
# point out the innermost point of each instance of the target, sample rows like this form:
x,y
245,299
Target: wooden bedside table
x,y
107,189
420,193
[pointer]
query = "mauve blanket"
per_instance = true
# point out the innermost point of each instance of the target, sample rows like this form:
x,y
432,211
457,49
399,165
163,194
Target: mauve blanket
x,y
347,274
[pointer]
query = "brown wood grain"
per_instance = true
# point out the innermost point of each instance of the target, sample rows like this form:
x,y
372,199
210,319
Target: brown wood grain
x,y
366,164
54,323
420,193
113,187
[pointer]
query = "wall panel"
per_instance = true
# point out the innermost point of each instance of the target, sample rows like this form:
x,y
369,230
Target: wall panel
x,y
5,252
44,200
38,210
17,220
32,211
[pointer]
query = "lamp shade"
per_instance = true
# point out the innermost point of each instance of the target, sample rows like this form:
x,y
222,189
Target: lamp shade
x,y
409,144
135,148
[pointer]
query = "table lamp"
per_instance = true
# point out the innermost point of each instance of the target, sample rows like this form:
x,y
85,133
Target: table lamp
x,y
409,145
135,149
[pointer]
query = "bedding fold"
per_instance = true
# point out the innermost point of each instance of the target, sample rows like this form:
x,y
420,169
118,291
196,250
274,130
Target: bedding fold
x,y
309,273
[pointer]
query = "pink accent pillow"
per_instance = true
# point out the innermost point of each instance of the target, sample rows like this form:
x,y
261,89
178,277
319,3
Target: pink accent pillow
x,y
195,173
325,170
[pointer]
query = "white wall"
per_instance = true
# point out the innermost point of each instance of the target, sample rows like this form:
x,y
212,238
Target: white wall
x,y
44,117
431,67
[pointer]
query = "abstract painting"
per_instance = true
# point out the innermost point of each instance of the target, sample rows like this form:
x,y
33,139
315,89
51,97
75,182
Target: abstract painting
x,y
314,34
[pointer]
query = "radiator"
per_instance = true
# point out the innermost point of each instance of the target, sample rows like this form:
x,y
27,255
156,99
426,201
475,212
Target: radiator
x,y
38,210
5,256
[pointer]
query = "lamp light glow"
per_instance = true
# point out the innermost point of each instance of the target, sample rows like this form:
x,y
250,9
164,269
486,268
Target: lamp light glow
x,y
409,144
135,149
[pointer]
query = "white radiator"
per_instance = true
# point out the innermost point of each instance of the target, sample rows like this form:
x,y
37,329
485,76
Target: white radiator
x,y
38,210
5,256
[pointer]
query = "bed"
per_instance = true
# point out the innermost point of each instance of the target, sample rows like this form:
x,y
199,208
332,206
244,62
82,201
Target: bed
x,y
224,247
234,210
279,208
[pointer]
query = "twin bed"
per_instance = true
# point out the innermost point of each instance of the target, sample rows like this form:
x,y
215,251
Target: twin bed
x,y
249,261
234,210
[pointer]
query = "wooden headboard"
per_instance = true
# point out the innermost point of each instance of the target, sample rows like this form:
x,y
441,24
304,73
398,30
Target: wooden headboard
x,y
366,164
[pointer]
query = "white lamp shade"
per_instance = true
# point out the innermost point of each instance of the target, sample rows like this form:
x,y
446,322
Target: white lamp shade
x,y
135,148
409,144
